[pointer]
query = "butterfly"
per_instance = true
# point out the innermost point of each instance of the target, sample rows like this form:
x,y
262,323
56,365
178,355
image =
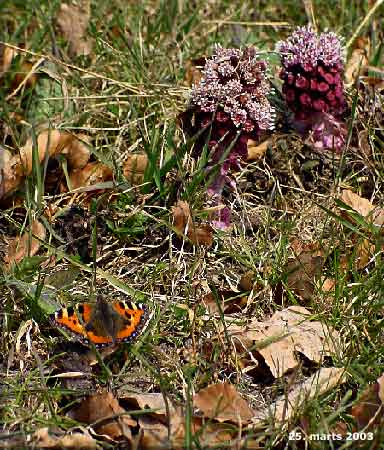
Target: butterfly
x,y
102,323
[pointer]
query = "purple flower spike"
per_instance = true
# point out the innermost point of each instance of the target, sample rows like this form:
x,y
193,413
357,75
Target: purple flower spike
x,y
232,97
312,84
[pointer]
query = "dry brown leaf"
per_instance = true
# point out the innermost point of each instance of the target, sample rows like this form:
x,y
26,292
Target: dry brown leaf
x,y
222,402
134,168
357,61
369,410
5,170
355,64
182,221
181,216
285,407
42,439
92,173
365,251
375,82
153,401
6,59
156,435
257,151
25,245
201,235
247,281
73,21
154,426
279,338
103,407
303,270
54,142
230,302
51,143
364,207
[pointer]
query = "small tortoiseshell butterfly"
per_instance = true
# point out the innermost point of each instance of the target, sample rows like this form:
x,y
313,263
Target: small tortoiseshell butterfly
x,y
102,323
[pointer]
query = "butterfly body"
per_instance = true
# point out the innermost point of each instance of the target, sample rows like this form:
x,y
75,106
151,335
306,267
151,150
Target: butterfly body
x,y
102,323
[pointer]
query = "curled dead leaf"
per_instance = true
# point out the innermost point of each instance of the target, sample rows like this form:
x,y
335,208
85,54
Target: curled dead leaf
x,y
103,408
92,173
157,435
201,235
227,302
364,207
42,439
304,268
357,61
223,403
25,245
257,151
364,144
73,20
368,412
183,223
278,339
5,171
285,407
154,401
50,143
6,58
134,168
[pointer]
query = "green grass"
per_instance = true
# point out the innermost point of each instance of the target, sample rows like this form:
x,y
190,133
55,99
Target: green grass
x,y
126,96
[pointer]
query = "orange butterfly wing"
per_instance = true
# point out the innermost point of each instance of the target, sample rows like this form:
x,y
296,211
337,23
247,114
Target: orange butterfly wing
x,y
135,315
76,318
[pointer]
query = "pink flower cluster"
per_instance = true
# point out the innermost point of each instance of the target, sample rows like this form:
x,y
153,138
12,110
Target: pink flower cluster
x,y
234,87
228,107
312,72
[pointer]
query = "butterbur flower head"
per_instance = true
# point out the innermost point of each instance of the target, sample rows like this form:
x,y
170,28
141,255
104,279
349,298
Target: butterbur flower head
x,y
312,75
312,71
230,103
234,81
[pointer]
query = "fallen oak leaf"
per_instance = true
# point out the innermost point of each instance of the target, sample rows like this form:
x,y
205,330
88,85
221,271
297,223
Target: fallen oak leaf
x,y
201,235
222,402
26,245
107,416
181,216
278,339
283,410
